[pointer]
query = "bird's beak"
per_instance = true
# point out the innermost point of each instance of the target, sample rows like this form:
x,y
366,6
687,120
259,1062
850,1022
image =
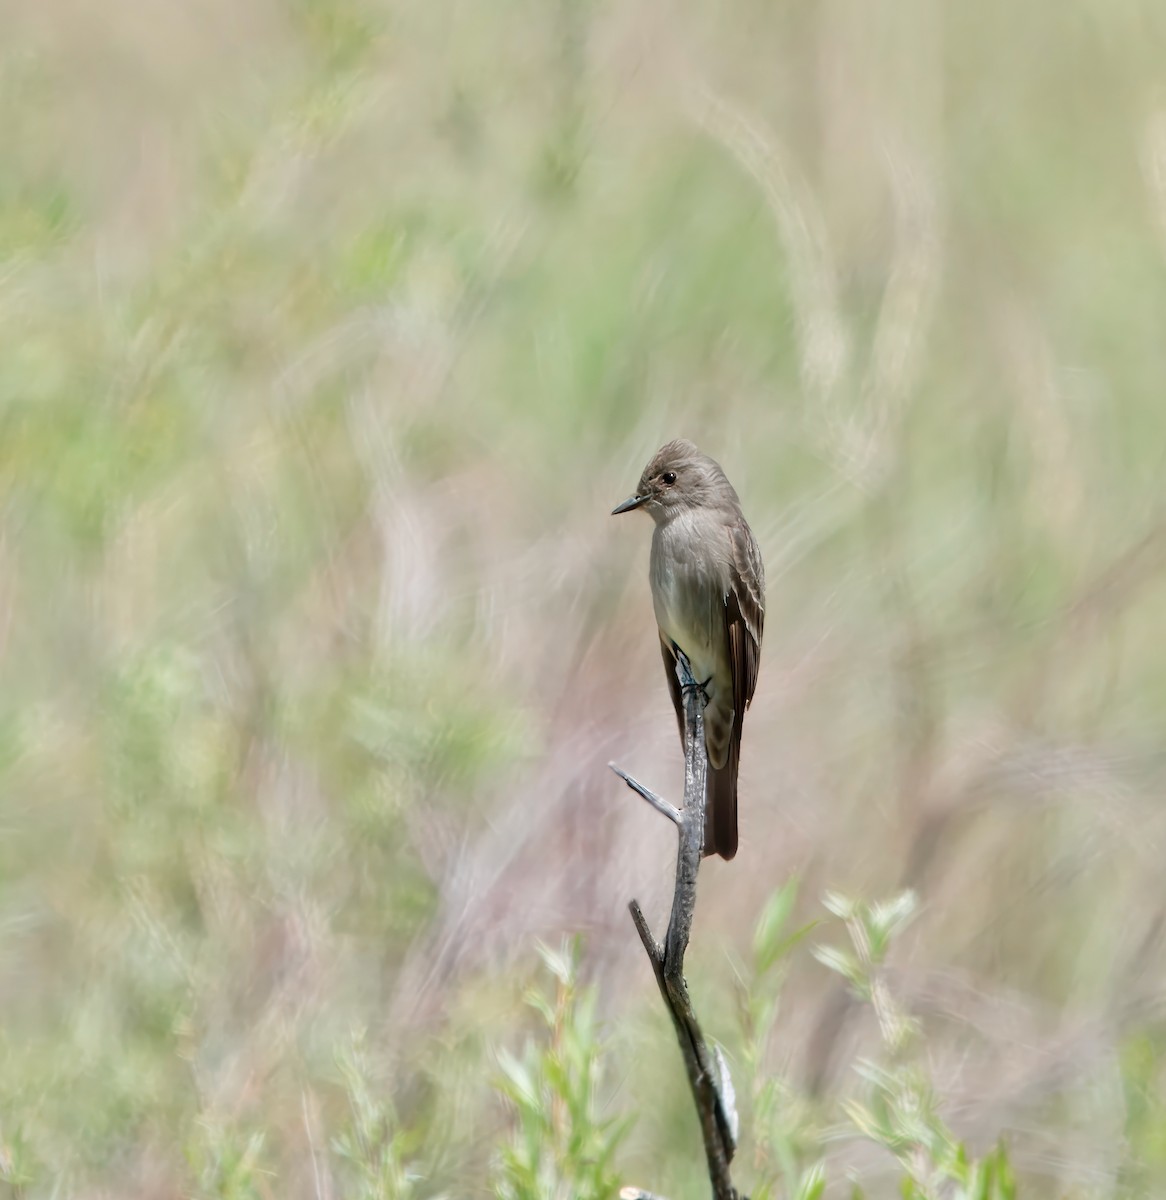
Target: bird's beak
x,y
627,506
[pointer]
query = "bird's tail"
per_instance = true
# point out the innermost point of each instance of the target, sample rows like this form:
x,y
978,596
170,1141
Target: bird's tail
x,y
720,802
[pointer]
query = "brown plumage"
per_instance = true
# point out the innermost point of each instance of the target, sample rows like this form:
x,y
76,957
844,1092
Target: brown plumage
x,y
708,592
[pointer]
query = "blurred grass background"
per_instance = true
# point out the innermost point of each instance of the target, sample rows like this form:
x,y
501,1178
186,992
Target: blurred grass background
x,y
330,332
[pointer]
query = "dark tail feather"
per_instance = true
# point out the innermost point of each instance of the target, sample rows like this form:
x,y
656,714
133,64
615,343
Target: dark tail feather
x,y
720,805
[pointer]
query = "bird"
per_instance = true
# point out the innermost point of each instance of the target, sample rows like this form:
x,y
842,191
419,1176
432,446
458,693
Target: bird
x,y
708,593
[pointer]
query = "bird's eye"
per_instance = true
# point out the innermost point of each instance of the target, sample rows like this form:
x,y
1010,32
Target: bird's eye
x,y
669,477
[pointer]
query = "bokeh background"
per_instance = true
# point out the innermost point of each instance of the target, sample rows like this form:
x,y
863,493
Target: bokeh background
x,y
330,332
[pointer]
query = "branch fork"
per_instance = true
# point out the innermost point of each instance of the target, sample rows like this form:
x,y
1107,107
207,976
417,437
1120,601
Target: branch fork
x,y
708,1075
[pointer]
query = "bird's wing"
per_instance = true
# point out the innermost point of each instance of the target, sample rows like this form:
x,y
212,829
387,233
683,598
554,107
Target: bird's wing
x,y
744,613
673,683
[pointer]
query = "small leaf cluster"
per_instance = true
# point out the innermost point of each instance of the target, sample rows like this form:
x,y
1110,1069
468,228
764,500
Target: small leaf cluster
x,y
900,1110
560,1148
227,1163
786,1145
375,1149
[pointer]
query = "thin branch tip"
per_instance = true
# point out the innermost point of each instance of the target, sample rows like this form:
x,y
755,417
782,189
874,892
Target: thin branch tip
x,y
652,947
657,802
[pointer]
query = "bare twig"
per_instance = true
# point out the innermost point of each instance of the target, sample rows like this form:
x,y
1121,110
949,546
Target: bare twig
x,y
707,1075
657,802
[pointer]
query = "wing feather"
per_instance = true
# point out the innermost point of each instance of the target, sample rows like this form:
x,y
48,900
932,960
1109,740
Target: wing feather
x,y
673,684
744,613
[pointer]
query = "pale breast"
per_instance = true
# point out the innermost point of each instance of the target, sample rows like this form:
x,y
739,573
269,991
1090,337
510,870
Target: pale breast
x,y
688,593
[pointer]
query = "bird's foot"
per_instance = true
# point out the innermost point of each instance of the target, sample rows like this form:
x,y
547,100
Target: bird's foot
x,y
699,688
686,678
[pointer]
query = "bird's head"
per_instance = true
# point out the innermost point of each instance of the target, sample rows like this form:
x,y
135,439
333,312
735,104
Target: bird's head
x,y
678,477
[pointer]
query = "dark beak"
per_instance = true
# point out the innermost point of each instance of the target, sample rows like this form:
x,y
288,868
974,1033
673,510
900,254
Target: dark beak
x,y
627,506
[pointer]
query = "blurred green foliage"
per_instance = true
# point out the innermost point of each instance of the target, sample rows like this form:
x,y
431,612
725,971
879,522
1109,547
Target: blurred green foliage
x,y
330,330
377,1152
901,1111
563,1146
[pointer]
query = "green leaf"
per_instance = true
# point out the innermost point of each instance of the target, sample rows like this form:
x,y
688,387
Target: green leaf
x,y
1005,1180
541,1005
840,905
842,962
883,921
767,935
560,963
520,1087
812,1183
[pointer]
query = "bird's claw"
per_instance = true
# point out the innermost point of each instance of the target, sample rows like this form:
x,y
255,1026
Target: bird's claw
x,y
699,688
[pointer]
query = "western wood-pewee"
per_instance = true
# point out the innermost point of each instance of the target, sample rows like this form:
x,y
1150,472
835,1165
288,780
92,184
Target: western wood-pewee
x,y
708,590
